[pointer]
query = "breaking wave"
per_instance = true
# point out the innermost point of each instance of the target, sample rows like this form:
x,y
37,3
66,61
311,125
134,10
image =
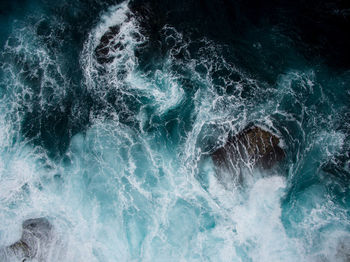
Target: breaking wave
x,y
116,155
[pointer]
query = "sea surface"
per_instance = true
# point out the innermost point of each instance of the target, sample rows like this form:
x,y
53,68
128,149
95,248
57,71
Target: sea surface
x,y
110,111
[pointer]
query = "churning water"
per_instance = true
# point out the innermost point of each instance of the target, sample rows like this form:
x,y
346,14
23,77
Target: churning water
x,y
109,113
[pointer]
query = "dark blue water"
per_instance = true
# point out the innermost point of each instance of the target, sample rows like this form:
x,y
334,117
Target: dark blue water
x,y
109,112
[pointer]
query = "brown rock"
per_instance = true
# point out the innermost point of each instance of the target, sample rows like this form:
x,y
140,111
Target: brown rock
x,y
252,145
36,235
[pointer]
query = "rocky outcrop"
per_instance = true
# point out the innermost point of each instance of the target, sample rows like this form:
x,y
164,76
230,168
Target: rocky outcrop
x,y
108,45
254,146
36,236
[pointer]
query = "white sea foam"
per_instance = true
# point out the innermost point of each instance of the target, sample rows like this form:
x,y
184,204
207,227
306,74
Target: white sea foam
x,y
119,194
122,73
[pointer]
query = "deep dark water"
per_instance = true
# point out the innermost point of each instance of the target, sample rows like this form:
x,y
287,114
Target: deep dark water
x,y
110,112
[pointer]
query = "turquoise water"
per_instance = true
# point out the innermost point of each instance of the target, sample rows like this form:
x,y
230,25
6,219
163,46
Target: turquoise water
x,y
117,156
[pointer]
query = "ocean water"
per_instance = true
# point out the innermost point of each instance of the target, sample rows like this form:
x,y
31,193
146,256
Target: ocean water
x,y
115,151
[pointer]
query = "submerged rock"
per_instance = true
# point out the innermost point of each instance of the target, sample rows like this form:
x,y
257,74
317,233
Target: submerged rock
x,y
108,45
36,236
253,146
